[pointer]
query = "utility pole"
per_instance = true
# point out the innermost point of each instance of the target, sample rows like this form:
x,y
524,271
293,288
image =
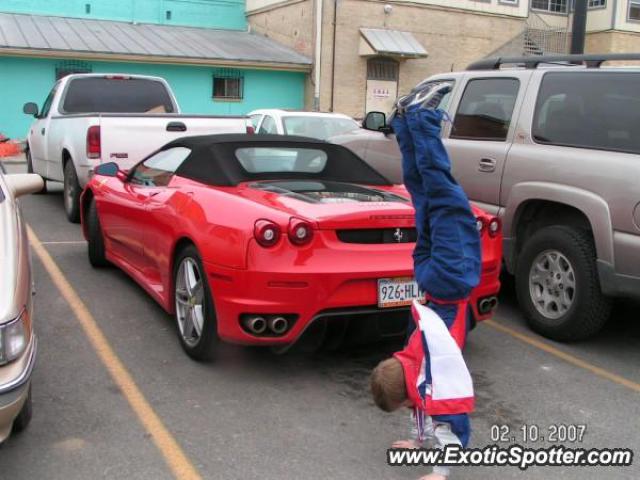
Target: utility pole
x,y
579,29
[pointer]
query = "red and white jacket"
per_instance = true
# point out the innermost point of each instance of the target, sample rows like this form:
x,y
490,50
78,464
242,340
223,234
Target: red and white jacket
x,y
438,381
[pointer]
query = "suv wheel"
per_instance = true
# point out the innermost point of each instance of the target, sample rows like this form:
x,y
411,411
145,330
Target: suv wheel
x,y
557,284
72,193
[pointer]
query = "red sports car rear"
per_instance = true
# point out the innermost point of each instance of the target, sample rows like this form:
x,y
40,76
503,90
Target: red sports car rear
x,y
254,239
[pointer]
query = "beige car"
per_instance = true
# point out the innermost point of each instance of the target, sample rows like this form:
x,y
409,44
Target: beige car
x,y
17,340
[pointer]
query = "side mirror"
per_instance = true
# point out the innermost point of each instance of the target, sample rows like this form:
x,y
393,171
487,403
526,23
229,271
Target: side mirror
x,y
377,122
30,108
24,183
109,169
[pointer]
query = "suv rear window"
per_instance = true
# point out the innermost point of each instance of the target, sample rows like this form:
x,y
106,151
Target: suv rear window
x,y
485,109
116,95
599,110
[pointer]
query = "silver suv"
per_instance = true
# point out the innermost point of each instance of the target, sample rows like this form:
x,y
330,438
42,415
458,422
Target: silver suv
x,y
552,146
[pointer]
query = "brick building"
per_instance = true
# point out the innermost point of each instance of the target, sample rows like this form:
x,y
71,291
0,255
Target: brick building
x,y
368,51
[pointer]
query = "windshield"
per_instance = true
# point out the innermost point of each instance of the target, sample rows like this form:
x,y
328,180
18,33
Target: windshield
x,y
318,127
117,95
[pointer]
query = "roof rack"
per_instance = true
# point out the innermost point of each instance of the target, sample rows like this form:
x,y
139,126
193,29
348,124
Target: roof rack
x,y
532,62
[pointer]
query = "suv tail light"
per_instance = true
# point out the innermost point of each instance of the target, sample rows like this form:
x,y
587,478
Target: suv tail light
x,y
266,233
300,232
494,227
94,149
481,225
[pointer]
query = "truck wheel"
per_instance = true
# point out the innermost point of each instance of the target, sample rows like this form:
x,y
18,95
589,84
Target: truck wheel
x,y
557,284
95,242
72,192
24,417
27,154
195,310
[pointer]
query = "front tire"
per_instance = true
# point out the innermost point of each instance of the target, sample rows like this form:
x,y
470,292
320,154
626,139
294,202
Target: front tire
x,y
72,192
557,284
195,310
95,243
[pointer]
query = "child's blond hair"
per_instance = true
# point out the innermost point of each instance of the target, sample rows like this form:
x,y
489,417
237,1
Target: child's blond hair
x,y
388,385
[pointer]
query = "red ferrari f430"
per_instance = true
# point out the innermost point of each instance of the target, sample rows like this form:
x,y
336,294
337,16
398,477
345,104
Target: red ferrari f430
x,y
257,239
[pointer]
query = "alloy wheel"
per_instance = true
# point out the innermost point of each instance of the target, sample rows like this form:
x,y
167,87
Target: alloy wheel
x,y
552,284
190,300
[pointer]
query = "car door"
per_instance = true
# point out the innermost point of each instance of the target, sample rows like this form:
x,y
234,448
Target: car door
x,y
162,204
122,215
38,135
481,134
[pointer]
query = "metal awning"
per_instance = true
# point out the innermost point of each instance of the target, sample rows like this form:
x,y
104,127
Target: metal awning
x,y
394,43
77,38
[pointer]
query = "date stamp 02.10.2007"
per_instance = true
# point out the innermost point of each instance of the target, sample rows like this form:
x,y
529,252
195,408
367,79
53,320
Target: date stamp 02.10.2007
x,y
532,433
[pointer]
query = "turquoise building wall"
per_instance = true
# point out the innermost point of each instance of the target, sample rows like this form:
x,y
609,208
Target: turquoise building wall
x,y
30,79
226,14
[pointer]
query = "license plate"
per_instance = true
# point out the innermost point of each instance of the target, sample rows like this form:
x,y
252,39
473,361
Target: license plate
x,y
398,292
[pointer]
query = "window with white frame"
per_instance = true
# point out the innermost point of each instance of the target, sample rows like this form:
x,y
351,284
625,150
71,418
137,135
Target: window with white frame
x,y
509,2
597,3
634,10
553,6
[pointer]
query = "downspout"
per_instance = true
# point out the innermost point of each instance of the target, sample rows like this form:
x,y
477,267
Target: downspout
x,y
318,56
579,29
614,17
333,52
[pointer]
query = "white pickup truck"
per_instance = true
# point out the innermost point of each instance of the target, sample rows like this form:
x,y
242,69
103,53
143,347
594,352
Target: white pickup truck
x,y
92,118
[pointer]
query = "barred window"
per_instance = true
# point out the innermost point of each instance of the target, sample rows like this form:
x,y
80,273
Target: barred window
x,y
69,67
382,69
554,6
228,84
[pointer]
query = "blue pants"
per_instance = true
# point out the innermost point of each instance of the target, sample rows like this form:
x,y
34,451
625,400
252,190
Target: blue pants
x,y
447,253
447,260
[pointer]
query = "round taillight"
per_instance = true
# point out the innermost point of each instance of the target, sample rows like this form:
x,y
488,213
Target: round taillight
x,y
266,233
300,232
495,225
480,224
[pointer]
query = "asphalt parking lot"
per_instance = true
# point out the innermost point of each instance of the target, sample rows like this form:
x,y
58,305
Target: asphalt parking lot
x,y
252,414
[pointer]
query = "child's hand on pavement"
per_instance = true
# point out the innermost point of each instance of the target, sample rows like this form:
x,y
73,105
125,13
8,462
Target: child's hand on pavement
x,y
405,444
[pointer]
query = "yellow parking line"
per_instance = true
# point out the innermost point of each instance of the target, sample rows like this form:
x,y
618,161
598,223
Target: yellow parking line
x,y
176,459
534,342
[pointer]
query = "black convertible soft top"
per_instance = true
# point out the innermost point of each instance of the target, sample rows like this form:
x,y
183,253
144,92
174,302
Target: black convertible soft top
x,y
213,160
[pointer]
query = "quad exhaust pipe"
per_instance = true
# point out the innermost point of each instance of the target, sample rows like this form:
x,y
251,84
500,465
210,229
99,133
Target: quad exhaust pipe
x,y
278,325
487,304
256,325
263,326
